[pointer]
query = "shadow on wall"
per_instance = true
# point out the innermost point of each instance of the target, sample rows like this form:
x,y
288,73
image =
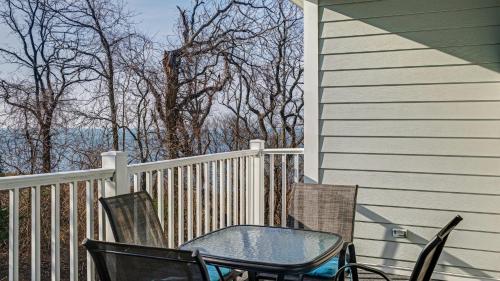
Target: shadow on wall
x,y
432,33
414,238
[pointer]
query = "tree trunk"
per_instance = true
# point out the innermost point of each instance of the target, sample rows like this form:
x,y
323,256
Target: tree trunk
x,y
112,102
171,117
46,148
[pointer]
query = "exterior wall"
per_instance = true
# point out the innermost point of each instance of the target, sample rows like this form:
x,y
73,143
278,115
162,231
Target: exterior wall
x,y
311,91
409,109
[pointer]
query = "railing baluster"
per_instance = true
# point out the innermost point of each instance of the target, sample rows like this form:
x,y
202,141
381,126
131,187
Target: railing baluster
x,y
222,217
35,233
229,205
180,204
283,190
161,198
206,193
135,212
73,231
235,193
55,211
102,216
296,168
170,191
149,182
248,186
198,200
90,225
214,196
137,182
14,234
271,189
190,202
242,191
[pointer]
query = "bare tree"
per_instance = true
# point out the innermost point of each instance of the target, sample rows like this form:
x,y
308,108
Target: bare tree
x,y
137,111
245,55
266,97
103,25
195,69
46,71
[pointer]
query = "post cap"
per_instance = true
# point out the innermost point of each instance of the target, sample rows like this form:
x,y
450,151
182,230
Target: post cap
x,y
257,144
115,153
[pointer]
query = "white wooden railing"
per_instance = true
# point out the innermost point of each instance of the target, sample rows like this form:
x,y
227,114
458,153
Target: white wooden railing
x,y
194,195
54,181
283,156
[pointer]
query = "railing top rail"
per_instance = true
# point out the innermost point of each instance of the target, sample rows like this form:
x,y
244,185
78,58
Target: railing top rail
x,y
13,182
22,181
172,163
283,151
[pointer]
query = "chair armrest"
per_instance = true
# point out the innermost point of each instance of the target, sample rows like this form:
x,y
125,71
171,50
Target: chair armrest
x,y
361,266
351,257
351,253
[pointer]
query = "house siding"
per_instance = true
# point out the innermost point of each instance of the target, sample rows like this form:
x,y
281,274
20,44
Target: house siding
x,y
409,109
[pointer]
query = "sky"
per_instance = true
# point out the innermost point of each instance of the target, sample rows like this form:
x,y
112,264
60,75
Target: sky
x,y
156,18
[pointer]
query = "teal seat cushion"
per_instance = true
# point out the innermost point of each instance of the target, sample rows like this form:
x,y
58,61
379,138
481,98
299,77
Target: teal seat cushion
x,y
327,269
214,275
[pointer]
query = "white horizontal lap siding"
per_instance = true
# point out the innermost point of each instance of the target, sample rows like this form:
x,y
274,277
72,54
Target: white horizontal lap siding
x,y
415,181
412,163
453,257
409,110
452,273
426,218
411,75
465,239
446,39
412,146
434,110
477,203
411,22
410,93
406,58
412,128
376,9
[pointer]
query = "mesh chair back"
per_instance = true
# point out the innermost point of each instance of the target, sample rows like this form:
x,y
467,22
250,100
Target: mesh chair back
x,y
133,219
329,208
122,262
429,256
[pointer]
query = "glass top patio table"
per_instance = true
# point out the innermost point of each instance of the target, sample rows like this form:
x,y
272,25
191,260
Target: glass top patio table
x,y
266,249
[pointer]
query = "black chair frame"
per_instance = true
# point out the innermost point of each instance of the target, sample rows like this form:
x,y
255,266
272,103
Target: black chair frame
x,y
114,227
424,266
92,247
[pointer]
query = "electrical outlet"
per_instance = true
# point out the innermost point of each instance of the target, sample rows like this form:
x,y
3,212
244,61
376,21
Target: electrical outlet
x,y
399,233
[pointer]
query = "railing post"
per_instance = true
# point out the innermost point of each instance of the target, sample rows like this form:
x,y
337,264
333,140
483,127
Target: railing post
x,y
119,184
257,194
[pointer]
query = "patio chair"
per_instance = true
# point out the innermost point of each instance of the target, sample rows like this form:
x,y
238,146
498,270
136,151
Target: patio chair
x,y
123,262
328,208
133,220
426,262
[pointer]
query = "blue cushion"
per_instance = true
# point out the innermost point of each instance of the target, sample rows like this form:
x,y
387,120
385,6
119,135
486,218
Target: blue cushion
x,y
326,270
214,275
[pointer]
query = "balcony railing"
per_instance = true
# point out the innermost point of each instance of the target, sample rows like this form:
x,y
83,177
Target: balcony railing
x,y
193,195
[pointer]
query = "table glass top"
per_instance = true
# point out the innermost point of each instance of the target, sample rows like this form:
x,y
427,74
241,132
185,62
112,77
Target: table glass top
x,y
272,245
